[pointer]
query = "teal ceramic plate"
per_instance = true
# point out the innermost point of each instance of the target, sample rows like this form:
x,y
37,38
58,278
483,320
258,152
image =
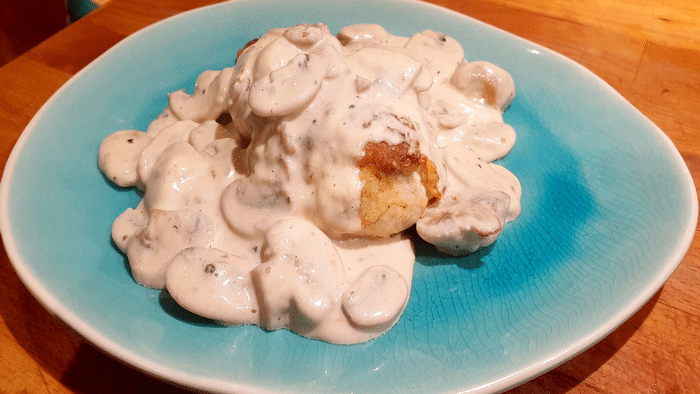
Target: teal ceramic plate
x,y
609,210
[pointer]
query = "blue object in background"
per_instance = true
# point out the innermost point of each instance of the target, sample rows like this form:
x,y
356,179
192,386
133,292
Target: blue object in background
x,y
79,8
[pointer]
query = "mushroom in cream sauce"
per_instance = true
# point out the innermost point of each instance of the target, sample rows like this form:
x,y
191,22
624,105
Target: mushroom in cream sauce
x,y
277,192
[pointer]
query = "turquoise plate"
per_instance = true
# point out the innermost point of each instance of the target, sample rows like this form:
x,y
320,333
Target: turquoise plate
x,y
609,210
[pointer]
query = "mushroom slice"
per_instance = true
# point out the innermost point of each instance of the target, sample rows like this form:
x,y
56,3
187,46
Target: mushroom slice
x,y
250,208
463,223
376,298
300,279
127,224
491,141
176,132
370,63
208,100
365,34
442,53
304,35
485,83
177,179
214,284
151,249
119,156
289,88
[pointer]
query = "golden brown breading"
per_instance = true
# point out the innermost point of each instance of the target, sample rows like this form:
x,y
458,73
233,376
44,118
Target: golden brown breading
x,y
392,199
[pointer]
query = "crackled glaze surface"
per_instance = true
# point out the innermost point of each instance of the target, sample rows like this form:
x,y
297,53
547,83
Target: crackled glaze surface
x,y
611,210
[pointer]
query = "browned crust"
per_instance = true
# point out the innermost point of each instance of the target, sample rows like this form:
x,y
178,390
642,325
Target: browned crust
x,y
382,169
390,158
240,51
429,178
489,92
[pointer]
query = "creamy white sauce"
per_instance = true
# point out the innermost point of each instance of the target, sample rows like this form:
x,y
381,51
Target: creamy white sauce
x,y
256,186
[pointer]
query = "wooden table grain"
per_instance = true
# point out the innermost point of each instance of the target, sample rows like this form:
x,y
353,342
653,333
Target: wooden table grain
x,y
648,50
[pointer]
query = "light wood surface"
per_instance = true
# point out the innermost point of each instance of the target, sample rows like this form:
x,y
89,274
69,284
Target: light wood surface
x,y
648,50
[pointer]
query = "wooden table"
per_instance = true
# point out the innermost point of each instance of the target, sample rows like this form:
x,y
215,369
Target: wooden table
x,y
648,50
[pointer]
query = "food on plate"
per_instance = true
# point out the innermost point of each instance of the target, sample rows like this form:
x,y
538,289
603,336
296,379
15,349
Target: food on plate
x,y
277,192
